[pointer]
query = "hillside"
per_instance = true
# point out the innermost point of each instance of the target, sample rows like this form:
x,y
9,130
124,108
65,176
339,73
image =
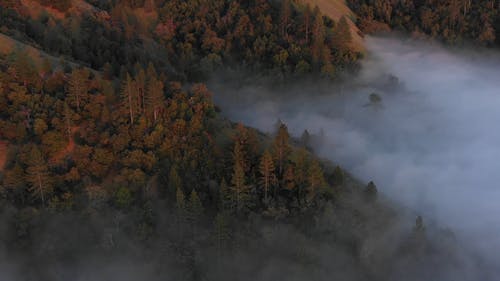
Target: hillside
x,y
335,9
120,166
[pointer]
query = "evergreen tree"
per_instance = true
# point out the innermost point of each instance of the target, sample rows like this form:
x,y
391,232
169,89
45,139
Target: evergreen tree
x,y
129,97
318,36
342,35
239,189
225,196
285,16
38,176
281,148
371,192
316,179
155,101
266,169
78,87
174,180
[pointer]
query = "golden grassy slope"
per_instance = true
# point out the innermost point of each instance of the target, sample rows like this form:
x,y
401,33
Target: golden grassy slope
x,y
335,9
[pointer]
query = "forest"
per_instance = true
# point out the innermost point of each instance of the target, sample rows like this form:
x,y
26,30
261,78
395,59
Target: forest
x,y
116,164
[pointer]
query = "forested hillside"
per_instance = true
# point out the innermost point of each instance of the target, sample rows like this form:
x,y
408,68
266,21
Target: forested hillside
x,y
115,164
453,21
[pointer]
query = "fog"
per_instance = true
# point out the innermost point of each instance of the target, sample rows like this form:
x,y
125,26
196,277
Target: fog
x,y
432,144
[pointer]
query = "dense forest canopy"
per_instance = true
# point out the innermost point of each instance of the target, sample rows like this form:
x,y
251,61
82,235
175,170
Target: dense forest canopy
x,y
453,21
112,148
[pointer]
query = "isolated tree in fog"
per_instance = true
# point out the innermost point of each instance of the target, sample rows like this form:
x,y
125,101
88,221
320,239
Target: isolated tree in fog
x,y
371,192
266,169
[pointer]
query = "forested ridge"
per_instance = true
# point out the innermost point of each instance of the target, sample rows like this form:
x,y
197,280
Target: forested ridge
x,y
452,21
116,155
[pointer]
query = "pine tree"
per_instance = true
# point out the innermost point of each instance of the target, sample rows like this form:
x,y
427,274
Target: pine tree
x,y
239,155
318,36
285,16
67,116
307,14
342,35
266,169
316,179
14,180
225,196
180,207
128,97
78,87
371,192
155,101
301,172
305,140
140,84
281,148
38,176
174,180
239,189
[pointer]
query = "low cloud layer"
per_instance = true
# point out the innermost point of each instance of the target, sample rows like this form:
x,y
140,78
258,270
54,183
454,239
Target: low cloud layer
x,y
432,144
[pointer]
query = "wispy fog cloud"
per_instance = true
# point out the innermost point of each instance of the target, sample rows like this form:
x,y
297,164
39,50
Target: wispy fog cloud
x,y
432,145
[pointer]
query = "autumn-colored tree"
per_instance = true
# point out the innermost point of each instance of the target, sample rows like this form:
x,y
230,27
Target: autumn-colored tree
x,y
318,33
281,148
38,176
342,37
285,14
316,179
266,170
155,99
78,87
129,95
239,188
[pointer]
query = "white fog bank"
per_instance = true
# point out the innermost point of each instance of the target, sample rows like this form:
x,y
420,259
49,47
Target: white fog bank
x,y
432,145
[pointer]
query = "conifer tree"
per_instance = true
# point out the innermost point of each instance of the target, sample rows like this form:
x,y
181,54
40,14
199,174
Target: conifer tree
x,y
78,87
281,148
67,121
155,101
128,97
38,176
342,35
318,36
371,192
316,179
285,15
239,189
266,169
225,196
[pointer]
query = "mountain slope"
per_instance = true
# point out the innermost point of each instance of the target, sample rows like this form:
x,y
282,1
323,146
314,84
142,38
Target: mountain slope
x,y
335,9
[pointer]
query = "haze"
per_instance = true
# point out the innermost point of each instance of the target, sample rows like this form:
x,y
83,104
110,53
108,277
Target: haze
x,y
433,144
